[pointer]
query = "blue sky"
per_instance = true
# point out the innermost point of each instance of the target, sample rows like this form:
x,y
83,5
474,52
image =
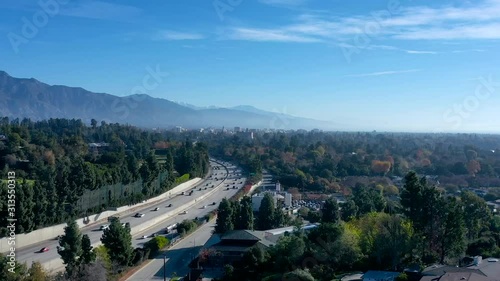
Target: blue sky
x,y
366,65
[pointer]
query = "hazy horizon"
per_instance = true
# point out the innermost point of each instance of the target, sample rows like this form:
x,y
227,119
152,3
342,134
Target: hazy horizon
x,y
384,65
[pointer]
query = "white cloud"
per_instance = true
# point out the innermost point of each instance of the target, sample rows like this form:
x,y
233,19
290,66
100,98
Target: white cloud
x,y
381,73
268,35
480,20
171,35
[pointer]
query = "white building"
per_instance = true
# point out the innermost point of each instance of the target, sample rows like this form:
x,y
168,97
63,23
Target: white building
x,y
282,196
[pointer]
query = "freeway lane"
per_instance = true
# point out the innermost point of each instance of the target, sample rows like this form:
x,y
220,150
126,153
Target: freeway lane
x,y
30,254
196,210
178,257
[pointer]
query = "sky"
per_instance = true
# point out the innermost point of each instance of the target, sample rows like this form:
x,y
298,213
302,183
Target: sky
x,y
392,65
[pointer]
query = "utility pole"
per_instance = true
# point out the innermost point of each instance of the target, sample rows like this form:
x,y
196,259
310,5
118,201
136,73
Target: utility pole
x,y
165,268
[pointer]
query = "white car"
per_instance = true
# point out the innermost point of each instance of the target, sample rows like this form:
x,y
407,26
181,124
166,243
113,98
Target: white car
x,y
139,215
185,212
144,237
103,227
204,207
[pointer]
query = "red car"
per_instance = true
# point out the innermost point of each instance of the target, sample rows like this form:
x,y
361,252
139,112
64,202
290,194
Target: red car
x,y
44,249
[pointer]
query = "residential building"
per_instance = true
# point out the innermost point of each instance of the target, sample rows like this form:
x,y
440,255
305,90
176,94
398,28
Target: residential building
x,y
374,275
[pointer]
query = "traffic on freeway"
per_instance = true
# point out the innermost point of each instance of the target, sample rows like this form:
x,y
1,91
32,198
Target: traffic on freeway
x,y
217,178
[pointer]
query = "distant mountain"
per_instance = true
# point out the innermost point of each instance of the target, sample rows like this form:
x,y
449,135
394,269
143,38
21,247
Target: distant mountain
x,y
30,98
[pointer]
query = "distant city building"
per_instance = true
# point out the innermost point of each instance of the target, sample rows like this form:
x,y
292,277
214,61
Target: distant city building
x,y
278,186
237,129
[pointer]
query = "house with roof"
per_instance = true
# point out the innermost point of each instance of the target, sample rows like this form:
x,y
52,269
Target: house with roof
x,y
232,245
374,275
459,276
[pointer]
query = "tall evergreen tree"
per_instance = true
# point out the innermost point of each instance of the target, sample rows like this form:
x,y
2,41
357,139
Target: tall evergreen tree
x,y
246,213
330,211
88,255
266,213
225,215
453,240
118,241
71,242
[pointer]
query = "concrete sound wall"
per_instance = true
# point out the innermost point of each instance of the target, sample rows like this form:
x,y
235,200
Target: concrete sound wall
x,y
37,236
56,265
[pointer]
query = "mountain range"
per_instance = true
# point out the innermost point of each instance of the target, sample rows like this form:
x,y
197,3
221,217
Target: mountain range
x,y
30,98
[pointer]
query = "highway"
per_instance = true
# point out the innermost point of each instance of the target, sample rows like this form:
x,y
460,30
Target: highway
x,y
31,253
178,257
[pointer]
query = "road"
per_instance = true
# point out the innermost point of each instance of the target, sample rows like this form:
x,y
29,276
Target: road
x,y
31,253
177,257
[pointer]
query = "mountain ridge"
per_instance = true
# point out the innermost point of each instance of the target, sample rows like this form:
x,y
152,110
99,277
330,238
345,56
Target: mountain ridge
x,y
31,98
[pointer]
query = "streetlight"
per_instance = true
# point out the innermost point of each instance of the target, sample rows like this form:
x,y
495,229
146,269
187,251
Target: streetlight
x,y
165,268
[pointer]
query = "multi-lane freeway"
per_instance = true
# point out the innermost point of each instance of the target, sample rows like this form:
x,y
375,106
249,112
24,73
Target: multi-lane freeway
x,y
221,178
177,257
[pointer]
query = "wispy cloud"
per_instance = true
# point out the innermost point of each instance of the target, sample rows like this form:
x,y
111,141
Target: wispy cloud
x,y
171,35
421,52
382,73
470,21
267,35
101,10
284,2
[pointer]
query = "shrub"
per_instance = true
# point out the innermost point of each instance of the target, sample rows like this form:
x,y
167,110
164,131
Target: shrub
x,y
155,245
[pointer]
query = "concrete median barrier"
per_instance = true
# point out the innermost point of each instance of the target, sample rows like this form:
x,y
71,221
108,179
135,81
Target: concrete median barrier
x,y
47,233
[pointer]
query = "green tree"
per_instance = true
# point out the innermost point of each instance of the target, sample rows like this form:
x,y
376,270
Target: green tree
x,y
118,241
453,240
266,214
155,245
246,214
36,273
225,215
88,255
349,210
71,243
330,211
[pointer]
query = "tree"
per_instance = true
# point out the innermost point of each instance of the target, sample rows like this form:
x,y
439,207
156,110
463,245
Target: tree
x,y
71,243
155,245
37,273
245,214
118,241
225,215
88,255
349,210
266,213
453,232
330,211
411,199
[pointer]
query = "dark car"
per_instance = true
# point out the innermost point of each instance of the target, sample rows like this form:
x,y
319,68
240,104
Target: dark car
x,y
44,249
169,205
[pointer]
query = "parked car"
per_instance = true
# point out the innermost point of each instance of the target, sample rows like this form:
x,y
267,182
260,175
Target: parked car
x,y
59,248
139,215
